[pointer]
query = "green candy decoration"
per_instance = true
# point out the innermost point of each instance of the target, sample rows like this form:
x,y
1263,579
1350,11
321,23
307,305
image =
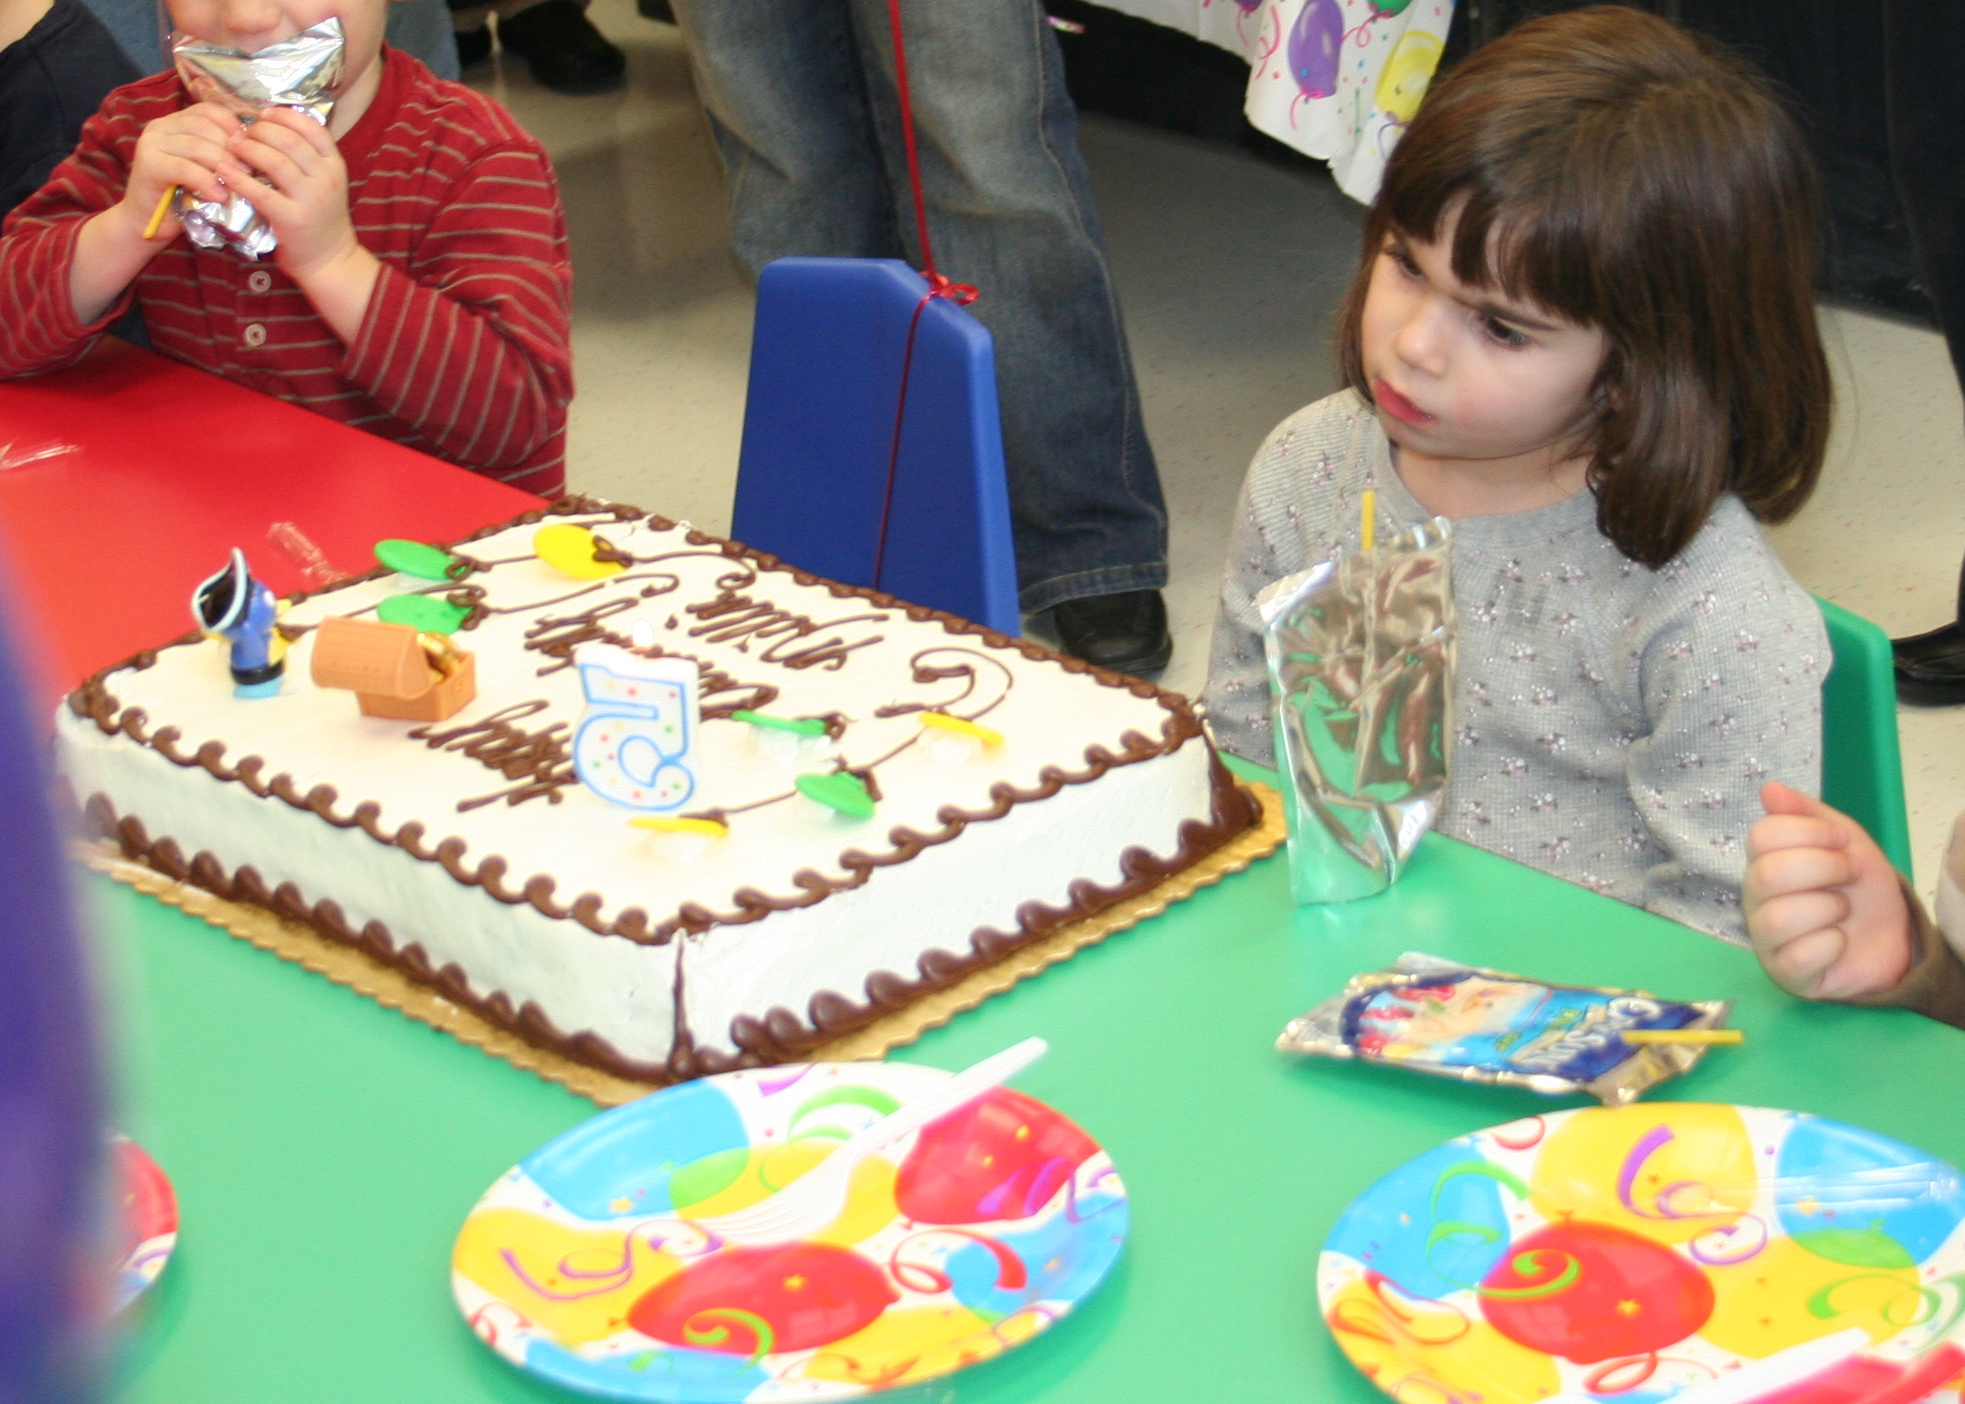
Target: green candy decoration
x,y
798,726
414,558
425,613
840,791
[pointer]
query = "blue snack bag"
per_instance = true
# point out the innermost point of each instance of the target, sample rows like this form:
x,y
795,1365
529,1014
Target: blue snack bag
x,y
1452,1020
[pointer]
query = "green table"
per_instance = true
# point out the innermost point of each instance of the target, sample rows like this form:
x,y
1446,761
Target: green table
x,y
325,1149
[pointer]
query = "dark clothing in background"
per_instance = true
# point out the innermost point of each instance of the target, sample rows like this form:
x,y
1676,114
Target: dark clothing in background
x,y
1880,87
1924,92
51,81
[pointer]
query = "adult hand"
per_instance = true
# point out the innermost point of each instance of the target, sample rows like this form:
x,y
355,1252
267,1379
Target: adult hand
x,y
1826,910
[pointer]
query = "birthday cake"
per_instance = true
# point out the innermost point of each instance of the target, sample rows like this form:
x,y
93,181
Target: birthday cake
x,y
851,802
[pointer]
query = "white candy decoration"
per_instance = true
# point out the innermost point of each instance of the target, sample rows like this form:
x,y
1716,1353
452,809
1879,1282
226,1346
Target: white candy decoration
x,y
634,742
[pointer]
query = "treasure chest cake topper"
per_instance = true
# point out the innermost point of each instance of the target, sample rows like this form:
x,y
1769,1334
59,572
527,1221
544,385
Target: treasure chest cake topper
x,y
394,670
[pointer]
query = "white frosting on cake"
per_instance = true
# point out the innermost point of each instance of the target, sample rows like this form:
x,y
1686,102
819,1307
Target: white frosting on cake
x,y
735,616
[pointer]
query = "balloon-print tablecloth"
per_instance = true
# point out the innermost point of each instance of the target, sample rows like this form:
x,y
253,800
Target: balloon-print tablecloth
x,y
1336,79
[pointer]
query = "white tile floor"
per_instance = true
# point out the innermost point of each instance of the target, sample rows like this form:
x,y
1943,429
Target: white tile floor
x,y
1229,269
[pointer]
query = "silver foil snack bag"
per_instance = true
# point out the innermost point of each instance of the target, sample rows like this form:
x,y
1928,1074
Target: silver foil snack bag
x,y
1361,674
299,73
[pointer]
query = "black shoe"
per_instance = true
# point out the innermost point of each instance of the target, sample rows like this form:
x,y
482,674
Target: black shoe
x,y
565,51
658,10
1126,632
473,45
1939,643
1933,676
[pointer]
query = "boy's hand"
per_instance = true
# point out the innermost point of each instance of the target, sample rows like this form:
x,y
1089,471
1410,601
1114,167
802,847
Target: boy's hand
x,y
183,149
302,189
1824,907
301,186
186,148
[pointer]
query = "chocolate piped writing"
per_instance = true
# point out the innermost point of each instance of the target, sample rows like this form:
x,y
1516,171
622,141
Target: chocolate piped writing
x,y
558,636
736,618
540,760
732,615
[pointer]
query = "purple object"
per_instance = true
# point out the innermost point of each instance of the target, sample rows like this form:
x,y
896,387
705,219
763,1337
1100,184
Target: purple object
x,y
53,1205
1315,40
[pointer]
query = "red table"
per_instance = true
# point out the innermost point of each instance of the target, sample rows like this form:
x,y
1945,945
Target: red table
x,y
125,481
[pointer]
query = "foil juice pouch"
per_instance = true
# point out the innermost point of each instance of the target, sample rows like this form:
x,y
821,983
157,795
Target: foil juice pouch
x,y
1438,1016
1360,653
299,73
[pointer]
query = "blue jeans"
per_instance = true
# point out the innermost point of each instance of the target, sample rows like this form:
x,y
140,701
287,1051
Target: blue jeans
x,y
802,100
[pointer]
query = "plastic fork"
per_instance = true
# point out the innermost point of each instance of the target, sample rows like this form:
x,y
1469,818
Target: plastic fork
x,y
815,1198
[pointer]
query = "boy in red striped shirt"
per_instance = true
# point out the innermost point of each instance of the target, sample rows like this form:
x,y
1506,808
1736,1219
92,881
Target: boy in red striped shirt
x,y
421,286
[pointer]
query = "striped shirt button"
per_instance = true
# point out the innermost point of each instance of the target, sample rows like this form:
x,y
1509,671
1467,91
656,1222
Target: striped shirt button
x,y
260,281
255,334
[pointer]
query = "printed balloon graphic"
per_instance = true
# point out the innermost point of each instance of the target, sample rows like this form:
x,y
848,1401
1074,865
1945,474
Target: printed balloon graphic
x,y
1003,1156
1786,1295
576,1281
1673,1171
1861,1199
756,1301
1315,41
1387,8
1402,83
1432,1350
1590,1292
1453,1246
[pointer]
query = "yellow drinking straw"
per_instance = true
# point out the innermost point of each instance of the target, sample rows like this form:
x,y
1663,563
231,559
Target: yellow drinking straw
x,y
163,208
1699,1036
1370,507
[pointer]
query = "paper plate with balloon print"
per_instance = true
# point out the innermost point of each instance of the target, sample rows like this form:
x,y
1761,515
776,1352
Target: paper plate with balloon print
x,y
148,1222
583,1263
1634,1253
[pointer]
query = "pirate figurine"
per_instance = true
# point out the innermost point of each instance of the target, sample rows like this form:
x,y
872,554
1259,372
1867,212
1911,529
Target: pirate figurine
x,y
232,605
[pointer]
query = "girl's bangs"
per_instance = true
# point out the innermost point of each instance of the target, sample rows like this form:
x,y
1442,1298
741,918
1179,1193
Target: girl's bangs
x,y
1519,245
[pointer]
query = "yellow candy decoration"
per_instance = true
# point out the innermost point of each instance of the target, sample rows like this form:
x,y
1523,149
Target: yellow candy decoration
x,y
942,721
570,549
663,824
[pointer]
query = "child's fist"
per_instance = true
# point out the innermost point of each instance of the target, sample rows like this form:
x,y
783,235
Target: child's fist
x,y
291,170
185,149
1824,907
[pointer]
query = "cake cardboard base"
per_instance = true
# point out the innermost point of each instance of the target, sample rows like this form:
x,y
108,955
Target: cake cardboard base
x,y
345,965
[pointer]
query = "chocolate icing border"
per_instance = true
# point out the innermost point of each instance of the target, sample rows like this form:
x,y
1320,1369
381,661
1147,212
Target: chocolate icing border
x,y
93,701
779,1035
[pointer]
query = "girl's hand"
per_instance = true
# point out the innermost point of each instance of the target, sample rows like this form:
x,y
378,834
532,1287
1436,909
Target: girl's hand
x,y
300,185
184,149
1825,908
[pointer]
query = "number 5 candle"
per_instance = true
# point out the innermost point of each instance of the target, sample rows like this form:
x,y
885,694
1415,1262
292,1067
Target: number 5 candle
x,y
635,740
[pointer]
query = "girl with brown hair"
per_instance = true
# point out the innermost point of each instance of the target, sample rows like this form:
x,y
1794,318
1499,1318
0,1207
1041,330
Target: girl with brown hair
x,y
1583,328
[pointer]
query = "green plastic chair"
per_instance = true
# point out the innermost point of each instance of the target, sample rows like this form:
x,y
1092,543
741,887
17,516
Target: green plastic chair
x,y
1862,767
